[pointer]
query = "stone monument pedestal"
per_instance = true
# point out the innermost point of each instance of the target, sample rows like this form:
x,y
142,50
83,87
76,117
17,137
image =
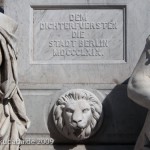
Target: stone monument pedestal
x,y
92,45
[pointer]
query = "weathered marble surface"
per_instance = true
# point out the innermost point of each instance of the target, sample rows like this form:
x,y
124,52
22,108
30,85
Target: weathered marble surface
x,y
13,119
42,80
78,35
139,92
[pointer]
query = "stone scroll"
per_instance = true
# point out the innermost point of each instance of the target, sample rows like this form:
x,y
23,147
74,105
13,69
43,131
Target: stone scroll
x,y
13,119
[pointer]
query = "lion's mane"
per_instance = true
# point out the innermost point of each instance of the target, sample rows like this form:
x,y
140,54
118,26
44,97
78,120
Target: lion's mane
x,y
77,94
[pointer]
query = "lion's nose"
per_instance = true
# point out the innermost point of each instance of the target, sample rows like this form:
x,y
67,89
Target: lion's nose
x,y
77,117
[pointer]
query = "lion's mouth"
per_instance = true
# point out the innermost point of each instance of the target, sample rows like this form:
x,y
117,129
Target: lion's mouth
x,y
77,127
77,132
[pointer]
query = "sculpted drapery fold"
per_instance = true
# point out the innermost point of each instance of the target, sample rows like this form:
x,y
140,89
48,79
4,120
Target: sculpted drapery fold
x,y
139,92
13,119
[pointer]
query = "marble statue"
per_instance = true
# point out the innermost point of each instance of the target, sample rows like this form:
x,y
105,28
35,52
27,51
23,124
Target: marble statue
x,y
13,119
77,114
139,92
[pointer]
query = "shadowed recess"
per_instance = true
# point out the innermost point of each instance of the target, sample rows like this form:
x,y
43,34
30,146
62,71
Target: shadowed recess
x,y
1,10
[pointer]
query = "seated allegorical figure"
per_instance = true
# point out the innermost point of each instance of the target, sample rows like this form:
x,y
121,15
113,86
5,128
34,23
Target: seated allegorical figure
x,y
139,92
13,119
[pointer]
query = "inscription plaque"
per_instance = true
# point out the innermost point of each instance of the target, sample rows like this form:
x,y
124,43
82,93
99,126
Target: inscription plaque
x,y
90,35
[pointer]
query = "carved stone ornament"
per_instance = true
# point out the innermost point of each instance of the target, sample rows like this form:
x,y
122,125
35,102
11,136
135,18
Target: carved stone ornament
x,y
139,92
77,114
13,119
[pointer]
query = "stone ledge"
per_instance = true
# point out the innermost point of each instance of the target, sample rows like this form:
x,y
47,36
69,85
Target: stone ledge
x,y
75,147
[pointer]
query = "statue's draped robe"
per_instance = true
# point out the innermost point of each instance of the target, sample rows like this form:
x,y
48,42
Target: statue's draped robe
x,y
13,119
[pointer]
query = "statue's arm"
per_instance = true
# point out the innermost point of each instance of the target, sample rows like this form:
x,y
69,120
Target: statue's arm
x,y
139,83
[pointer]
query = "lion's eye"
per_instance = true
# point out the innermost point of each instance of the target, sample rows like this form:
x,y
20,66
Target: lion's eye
x,y
85,110
69,110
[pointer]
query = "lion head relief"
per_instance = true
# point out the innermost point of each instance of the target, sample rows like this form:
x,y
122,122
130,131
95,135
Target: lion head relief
x,y
77,114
